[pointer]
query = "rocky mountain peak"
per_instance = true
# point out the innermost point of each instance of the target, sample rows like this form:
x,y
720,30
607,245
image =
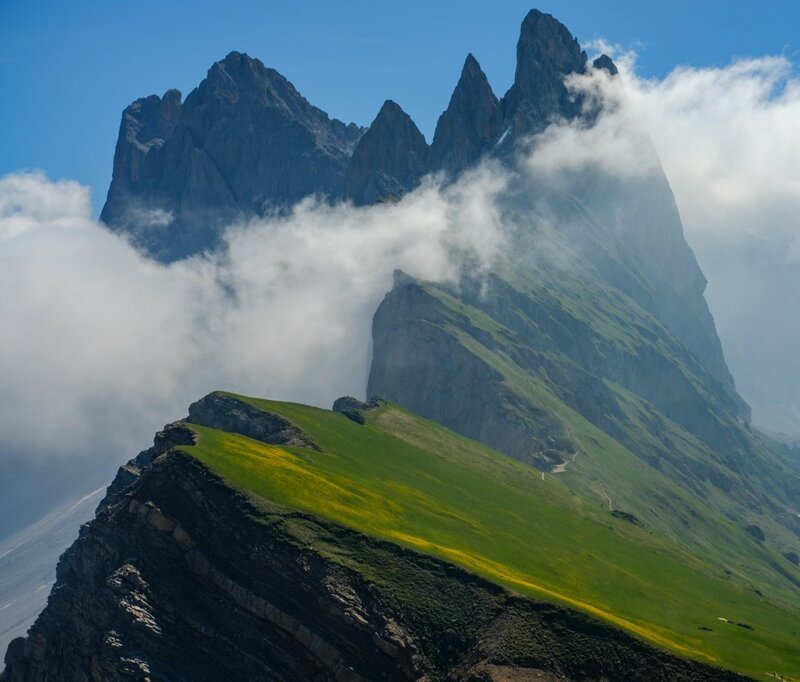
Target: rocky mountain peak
x,y
153,117
544,42
469,124
471,68
546,53
390,158
605,63
243,142
390,114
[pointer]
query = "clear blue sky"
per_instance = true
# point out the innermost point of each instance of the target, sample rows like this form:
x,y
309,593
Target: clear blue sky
x,y
67,69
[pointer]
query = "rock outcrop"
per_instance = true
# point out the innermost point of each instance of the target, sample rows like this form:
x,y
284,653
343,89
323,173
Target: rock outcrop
x,y
418,362
547,53
221,411
184,578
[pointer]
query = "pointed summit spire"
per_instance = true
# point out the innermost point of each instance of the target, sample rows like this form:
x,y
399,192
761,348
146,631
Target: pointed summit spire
x,y
469,124
546,53
390,158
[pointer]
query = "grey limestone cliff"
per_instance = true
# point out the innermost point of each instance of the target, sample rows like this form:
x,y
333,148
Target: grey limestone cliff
x,y
470,124
389,160
243,142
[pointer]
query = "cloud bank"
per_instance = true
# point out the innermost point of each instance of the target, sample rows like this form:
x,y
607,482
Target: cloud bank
x,y
101,346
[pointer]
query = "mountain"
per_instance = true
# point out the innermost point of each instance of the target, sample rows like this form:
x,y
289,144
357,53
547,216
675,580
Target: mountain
x,y
261,539
242,143
28,561
469,125
587,445
389,159
590,343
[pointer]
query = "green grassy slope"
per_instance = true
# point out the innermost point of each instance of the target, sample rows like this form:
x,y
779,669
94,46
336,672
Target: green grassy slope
x,y
550,339
414,482
667,497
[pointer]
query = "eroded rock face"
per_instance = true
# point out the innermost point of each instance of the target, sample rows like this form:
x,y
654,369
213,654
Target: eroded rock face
x,y
469,126
389,160
220,411
182,578
418,362
546,54
243,142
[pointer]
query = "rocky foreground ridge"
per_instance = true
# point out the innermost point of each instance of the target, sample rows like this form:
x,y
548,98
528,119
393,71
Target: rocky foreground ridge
x,y
182,577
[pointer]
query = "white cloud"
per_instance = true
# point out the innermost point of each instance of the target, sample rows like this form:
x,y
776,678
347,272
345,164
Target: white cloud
x,y
28,198
101,346
728,139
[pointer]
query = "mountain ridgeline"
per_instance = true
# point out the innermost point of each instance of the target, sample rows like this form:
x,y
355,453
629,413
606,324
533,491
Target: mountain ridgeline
x,y
604,459
615,331
245,142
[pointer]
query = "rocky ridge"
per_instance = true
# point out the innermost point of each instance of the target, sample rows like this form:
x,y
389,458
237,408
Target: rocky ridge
x,y
182,577
245,142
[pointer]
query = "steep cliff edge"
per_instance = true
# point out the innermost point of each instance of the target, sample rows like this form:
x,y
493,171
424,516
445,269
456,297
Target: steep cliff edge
x,y
182,577
271,540
243,142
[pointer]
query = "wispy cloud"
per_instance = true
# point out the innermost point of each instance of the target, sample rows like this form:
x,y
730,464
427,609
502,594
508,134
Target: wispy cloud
x,y
101,346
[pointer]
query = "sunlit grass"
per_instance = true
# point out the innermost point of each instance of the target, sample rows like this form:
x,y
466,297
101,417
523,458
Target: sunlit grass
x,y
413,482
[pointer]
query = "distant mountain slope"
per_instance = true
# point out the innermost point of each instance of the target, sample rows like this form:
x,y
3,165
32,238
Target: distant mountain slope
x,y
178,567
589,348
28,561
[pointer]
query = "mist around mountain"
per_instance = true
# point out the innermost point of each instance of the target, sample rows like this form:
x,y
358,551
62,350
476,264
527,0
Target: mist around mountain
x,y
28,560
542,300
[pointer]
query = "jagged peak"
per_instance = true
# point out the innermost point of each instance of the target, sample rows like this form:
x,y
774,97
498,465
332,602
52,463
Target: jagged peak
x,y
391,115
471,75
170,97
468,124
391,110
471,66
546,53
605,63
239,66
541,27
545,41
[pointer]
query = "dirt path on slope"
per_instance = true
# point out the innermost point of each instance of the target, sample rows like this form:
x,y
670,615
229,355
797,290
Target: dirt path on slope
x,y
561,468
608,497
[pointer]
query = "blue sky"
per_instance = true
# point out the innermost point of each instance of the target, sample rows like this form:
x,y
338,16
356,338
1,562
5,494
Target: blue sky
x,y
67,69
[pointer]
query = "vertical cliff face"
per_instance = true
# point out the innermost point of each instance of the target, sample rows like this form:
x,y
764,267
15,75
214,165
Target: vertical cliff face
x,y
546,54
470,125
243,141
389,160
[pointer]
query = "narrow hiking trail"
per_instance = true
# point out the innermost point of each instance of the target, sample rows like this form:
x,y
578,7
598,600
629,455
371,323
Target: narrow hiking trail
x,y
608,497
561,468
